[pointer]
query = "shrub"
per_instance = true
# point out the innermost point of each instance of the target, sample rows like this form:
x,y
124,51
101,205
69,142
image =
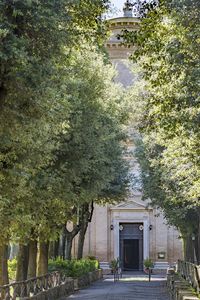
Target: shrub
x,y
12,266
91,257
73,268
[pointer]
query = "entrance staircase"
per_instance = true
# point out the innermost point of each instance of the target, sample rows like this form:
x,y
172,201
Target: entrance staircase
x,y
160,267
105,266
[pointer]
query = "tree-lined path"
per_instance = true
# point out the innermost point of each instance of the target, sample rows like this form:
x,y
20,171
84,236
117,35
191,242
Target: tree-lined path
x,y
130,287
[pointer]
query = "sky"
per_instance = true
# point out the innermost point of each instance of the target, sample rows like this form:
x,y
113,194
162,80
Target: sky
x,y
117,5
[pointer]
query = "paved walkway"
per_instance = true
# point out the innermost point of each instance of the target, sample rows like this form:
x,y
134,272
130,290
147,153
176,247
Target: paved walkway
x,y
130,287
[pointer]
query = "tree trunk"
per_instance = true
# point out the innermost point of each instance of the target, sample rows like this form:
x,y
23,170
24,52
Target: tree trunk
x,y
32,262
42,263
189,249
64,238
3,264
69,239
86,217
81,239
51,250
70,235
56,248
22,263
197,244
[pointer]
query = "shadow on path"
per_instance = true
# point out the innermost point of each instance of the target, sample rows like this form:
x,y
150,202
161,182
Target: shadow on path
x,y
132,286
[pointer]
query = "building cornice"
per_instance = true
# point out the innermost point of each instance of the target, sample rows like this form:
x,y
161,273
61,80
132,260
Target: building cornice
x,y
123,22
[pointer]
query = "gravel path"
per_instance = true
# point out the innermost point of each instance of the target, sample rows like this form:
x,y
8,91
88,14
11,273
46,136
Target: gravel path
x,y
130,287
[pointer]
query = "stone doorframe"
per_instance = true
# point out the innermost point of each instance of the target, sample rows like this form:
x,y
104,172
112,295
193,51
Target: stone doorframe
x,y
145,223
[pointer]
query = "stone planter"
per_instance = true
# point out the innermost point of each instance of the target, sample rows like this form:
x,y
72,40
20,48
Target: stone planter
x,y
146,270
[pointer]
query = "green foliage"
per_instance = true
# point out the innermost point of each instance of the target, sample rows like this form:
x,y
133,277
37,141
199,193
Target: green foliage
x,y
12,267
114,264
148,263
73,268
170,62
88,162
168,151
44,95
91,257
61,117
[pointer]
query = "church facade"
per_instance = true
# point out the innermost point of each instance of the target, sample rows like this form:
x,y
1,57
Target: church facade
x,y
130,231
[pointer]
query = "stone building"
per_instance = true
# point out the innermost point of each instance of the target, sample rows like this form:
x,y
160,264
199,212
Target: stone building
x,y
130,230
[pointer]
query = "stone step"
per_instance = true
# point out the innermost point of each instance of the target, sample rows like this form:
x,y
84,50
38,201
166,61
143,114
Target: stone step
x,y
104,265
186,295
161,265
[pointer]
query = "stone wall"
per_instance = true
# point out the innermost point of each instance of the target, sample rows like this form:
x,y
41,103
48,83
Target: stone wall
x,y
179,289
57,292
68,287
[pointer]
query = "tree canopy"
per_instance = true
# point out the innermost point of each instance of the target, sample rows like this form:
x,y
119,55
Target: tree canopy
x,y
60,119
168,55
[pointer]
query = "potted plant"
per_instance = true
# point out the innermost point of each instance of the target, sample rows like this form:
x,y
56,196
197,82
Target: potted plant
x,y
114,265
148,265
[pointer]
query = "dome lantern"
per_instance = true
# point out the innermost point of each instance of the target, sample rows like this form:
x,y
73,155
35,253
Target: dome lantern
x,y
128,9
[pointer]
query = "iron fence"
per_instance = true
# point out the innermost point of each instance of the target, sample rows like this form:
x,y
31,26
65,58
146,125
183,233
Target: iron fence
x,y
31,287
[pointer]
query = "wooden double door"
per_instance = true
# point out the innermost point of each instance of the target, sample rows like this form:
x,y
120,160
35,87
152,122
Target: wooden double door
x,y
131,246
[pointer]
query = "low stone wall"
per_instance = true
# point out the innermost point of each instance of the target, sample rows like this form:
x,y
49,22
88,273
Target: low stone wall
x,y
57,292
179,289
86,280
107,271
67,288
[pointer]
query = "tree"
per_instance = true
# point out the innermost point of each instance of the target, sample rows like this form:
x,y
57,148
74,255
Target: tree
x,y
87,161
167,52
90,155
33,37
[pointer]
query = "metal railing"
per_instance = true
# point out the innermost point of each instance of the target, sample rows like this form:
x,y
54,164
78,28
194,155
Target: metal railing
x,y
31,287
191,273
117,273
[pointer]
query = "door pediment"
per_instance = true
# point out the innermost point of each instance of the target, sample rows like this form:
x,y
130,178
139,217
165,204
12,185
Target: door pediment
x,y
130,205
